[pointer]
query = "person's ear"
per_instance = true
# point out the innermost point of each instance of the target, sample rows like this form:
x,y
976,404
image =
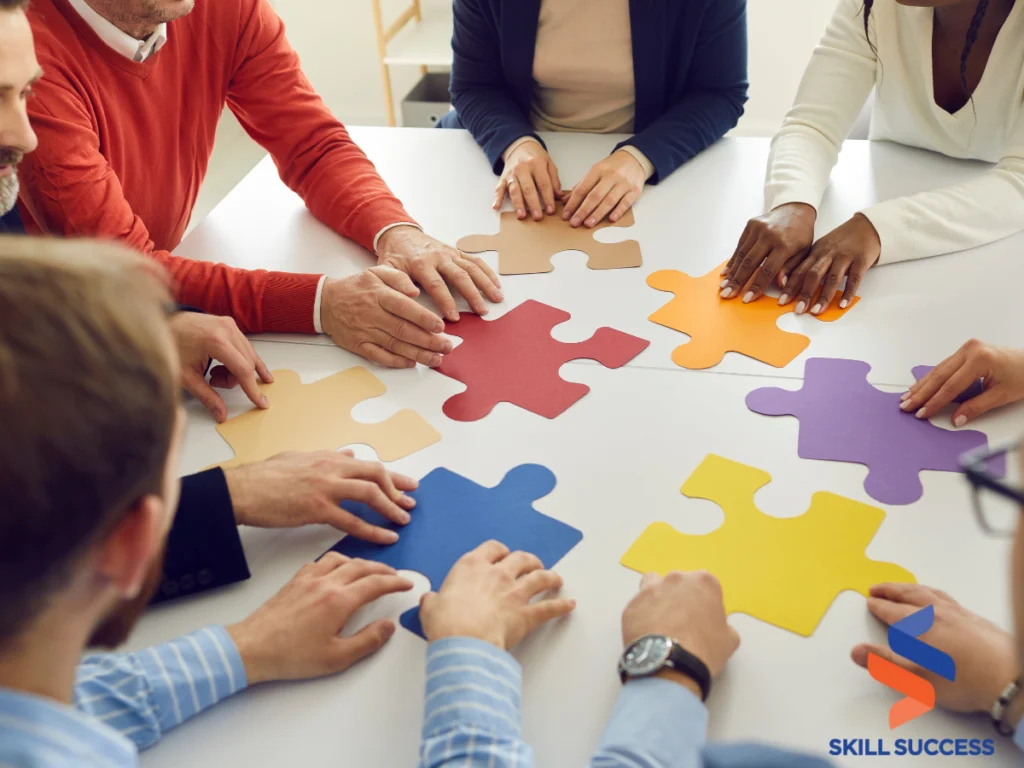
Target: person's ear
x,y
127,553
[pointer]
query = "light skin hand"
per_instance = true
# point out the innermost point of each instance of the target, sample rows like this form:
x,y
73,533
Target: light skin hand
x,y
530,180
985,655
294,635
488,595
294,489
767,245
1001,368
687,607
202,338
435,266
373,314
609,189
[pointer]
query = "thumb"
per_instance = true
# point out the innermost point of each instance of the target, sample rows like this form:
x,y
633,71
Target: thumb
x,y
365,642
401,282
197,385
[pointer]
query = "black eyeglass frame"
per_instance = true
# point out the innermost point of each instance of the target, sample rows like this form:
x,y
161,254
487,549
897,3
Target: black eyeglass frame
x,y
975,466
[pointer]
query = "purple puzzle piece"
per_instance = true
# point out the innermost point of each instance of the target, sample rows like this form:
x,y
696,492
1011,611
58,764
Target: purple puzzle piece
x,y
844,418
975,389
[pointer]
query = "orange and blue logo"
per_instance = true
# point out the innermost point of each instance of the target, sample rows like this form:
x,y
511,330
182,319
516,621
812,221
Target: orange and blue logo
x,y
904,641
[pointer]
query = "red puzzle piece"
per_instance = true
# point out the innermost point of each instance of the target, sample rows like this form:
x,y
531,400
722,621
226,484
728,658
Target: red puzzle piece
x,y
514,360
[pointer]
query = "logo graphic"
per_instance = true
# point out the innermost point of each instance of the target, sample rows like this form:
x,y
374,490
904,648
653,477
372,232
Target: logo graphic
x,y
903,640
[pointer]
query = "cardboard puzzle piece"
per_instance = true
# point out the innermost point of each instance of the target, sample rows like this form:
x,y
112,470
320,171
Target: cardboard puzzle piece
x,y
515,360
785,571
844,418
526,247
975,389
454,515
318,416
718,325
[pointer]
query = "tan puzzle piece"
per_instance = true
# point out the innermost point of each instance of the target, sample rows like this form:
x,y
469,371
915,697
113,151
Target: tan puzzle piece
x,y
318,416
526,247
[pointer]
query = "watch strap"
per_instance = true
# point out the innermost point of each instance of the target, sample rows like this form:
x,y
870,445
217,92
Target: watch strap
x,y
1002,705
683,661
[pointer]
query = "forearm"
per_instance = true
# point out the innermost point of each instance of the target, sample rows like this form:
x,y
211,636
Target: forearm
x,y
147,693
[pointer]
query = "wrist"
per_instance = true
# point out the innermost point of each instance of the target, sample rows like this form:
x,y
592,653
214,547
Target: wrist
x,y
491,638
391,240
801,210
681,678
236,491
256,668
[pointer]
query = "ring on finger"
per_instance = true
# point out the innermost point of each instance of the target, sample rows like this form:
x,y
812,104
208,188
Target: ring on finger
x,y
513,181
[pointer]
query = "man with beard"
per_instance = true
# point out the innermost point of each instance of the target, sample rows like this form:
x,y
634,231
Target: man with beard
x,y
19,71
92,432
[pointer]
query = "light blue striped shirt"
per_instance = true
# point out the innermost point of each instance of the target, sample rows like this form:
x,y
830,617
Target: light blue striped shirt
x,y
126,702
472,716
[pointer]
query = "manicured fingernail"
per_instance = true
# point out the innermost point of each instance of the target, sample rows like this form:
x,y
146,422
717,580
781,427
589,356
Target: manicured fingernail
x,y
959,421
576,221
264,402
816,309
591,222
783,299
726,293
919,414
800,307
905,405
749,297
905,396
724,282
783,280
390,537
844,303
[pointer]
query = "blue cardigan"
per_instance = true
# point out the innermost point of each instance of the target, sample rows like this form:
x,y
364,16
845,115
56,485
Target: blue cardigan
x,y
689,65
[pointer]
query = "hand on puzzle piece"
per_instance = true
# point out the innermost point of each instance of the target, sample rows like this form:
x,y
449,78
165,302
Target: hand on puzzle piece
x,y
717,326
489,595
455,515
530,181
844,418
785,571
609,189
514,359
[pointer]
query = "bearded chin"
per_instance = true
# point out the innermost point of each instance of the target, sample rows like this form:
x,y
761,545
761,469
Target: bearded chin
x,y
8,193
116,628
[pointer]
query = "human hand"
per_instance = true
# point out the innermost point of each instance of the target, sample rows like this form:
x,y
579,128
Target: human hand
x,y
768,243
688,608
530,180
294,635
609,189
985,655
848,251
373,314
294,489
487,595
202,338
434,265
1001,368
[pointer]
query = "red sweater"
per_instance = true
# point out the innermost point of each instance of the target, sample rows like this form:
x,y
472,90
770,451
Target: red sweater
x,y
124,147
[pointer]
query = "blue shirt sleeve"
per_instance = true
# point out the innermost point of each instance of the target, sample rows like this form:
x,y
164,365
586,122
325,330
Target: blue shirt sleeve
x,y
144,694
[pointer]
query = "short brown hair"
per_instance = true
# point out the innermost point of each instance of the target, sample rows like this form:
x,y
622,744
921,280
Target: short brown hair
x,y
13,5
87,406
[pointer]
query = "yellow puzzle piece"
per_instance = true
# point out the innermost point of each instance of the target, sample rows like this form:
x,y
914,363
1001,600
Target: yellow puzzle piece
x,y
785,571
318,416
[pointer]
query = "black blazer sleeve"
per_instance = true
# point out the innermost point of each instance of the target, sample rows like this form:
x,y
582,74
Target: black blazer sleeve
x,y
204,549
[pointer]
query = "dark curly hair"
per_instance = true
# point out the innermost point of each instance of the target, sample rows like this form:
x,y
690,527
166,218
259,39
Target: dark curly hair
x,y
972,34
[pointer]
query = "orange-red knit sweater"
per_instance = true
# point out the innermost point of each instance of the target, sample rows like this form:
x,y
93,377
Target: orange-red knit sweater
x,y
124,147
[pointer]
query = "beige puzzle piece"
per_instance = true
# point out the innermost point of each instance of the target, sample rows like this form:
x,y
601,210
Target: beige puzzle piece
x,y
526,247
318,416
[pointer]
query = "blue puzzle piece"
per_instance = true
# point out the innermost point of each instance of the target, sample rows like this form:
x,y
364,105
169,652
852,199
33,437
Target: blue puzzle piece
x,y
454,515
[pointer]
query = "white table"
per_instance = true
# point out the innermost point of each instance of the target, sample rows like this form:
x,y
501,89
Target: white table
x,y
620,456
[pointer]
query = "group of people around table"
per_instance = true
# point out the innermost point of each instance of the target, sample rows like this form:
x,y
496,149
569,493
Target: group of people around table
x,y
108,114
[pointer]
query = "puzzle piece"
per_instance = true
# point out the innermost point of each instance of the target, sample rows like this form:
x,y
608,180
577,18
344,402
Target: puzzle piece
x,y
975,389
718,325
785,571
318,416
526,247
514,359
844,418
454,515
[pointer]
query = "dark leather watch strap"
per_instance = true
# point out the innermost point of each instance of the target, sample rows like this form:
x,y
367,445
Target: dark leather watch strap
x,y
684,661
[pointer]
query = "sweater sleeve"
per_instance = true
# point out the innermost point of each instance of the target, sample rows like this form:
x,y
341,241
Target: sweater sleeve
x,y
834,88
959,217
713,99
314,154
69,189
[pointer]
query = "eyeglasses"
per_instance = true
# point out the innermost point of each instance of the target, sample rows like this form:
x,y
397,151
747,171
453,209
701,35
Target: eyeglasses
x,y
997,501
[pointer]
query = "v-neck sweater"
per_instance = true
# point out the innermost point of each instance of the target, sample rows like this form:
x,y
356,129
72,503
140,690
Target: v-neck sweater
x,y
841,75
124,146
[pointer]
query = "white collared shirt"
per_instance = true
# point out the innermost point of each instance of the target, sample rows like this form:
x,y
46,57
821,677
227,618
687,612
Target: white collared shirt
x,y
136,50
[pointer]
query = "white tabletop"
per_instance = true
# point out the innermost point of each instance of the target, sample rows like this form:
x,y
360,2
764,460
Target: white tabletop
x,y
620,456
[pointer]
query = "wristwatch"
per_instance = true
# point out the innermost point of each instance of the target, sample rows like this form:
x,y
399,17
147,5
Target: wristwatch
x,y
652,653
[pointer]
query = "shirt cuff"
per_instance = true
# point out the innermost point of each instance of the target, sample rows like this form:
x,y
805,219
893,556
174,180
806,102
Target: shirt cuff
x,y
192,673
1018,737
641,158
317,326
472,684
515,145
659,718
377,237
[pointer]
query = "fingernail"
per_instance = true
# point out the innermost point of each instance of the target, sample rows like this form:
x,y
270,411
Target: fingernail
x,y
725,270
435,360
565,215
499,296
591,222
521,213
816,309
389,629
783,280
576,221
537,215
905,405
726,293
447,347
724,283
749,297
407,501
390,537
844,303
264,402
783,299
905,396
550,209
404,517
453,316
800,307
919,414
959,421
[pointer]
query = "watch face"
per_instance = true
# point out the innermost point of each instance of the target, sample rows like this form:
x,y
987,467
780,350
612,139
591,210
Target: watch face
x,y
646,656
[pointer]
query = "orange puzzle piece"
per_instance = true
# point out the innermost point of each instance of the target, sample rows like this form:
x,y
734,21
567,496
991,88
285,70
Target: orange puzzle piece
x,y
716,325
526,247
